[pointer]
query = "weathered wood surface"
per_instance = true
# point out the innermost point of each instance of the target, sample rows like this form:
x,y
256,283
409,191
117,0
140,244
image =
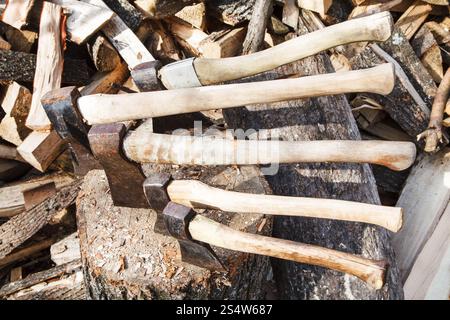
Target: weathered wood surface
x,y
124,259
399,104
257,27
21,66
53,284
232,12
424,197
158,9
315,119
126,11
24,225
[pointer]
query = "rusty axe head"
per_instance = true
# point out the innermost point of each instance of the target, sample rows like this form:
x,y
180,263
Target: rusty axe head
x,y
61,108
176,219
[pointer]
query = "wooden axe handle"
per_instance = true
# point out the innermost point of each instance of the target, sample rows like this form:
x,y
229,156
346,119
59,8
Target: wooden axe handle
x,y
103,108
196,194
209,231
145,147
377,27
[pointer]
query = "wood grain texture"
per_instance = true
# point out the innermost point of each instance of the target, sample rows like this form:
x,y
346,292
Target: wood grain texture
x,y
21,227
423,207
97,109
209,231
158,9
16,12
196,194
375,28
49,65
83,19
153,267
147,147
262,10
124,39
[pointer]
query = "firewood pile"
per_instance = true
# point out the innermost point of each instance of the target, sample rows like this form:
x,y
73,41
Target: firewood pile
x,y
120,179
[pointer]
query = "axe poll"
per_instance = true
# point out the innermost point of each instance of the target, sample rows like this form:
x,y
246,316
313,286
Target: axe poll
x,y
104,108
196,233
202,71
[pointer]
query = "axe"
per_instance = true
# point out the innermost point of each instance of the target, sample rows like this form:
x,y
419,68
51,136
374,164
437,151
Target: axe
x,y
114,151
160,189
195,234
104,108
201,71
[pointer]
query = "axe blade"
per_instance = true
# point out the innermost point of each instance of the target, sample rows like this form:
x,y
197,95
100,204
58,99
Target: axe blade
x,y
177,218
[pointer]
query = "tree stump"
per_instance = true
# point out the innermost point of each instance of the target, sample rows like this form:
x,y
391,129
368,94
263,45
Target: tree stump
x,y
124,259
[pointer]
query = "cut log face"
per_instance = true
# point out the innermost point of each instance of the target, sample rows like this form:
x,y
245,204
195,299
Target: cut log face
x,y
40,149
16,105
119,254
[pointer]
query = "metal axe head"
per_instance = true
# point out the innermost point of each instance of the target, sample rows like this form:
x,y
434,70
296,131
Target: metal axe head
x,y
177,218
60,106
125,178
155,189
145,75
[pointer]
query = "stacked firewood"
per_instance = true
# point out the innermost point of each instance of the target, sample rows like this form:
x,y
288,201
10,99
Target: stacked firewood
x,y
66,226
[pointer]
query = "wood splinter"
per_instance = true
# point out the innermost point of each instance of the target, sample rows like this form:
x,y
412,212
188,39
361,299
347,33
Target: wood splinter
x,y
434,137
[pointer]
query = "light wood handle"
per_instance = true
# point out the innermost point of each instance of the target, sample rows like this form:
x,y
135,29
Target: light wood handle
x,y
144,146
377,27
209,231
103,108
196,194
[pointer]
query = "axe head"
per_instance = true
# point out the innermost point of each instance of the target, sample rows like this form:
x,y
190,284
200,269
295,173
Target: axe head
x,y
60,106
180,74
145,75
177,218
155,189
124,177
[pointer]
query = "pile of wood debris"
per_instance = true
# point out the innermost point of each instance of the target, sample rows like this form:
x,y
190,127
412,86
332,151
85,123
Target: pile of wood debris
x,y
47,213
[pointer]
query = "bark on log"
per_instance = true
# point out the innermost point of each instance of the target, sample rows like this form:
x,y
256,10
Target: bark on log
x,y
127,12
257,26
158,9
20,66
310,119
124,259
232,12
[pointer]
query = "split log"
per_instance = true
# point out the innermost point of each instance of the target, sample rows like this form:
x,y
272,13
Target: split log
x,y
21,227
103,54
17,13
262,11
429,276
20,66
413,18
66,250
291,13
12,200
49,65
231,12
222,44
26,252
83,19
424,198
162,44
319,6
158,9
4,45
195,15
59,283
319,118
122,260
427,49
123,38
126,11
16,105
409,111
107,82
40,149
